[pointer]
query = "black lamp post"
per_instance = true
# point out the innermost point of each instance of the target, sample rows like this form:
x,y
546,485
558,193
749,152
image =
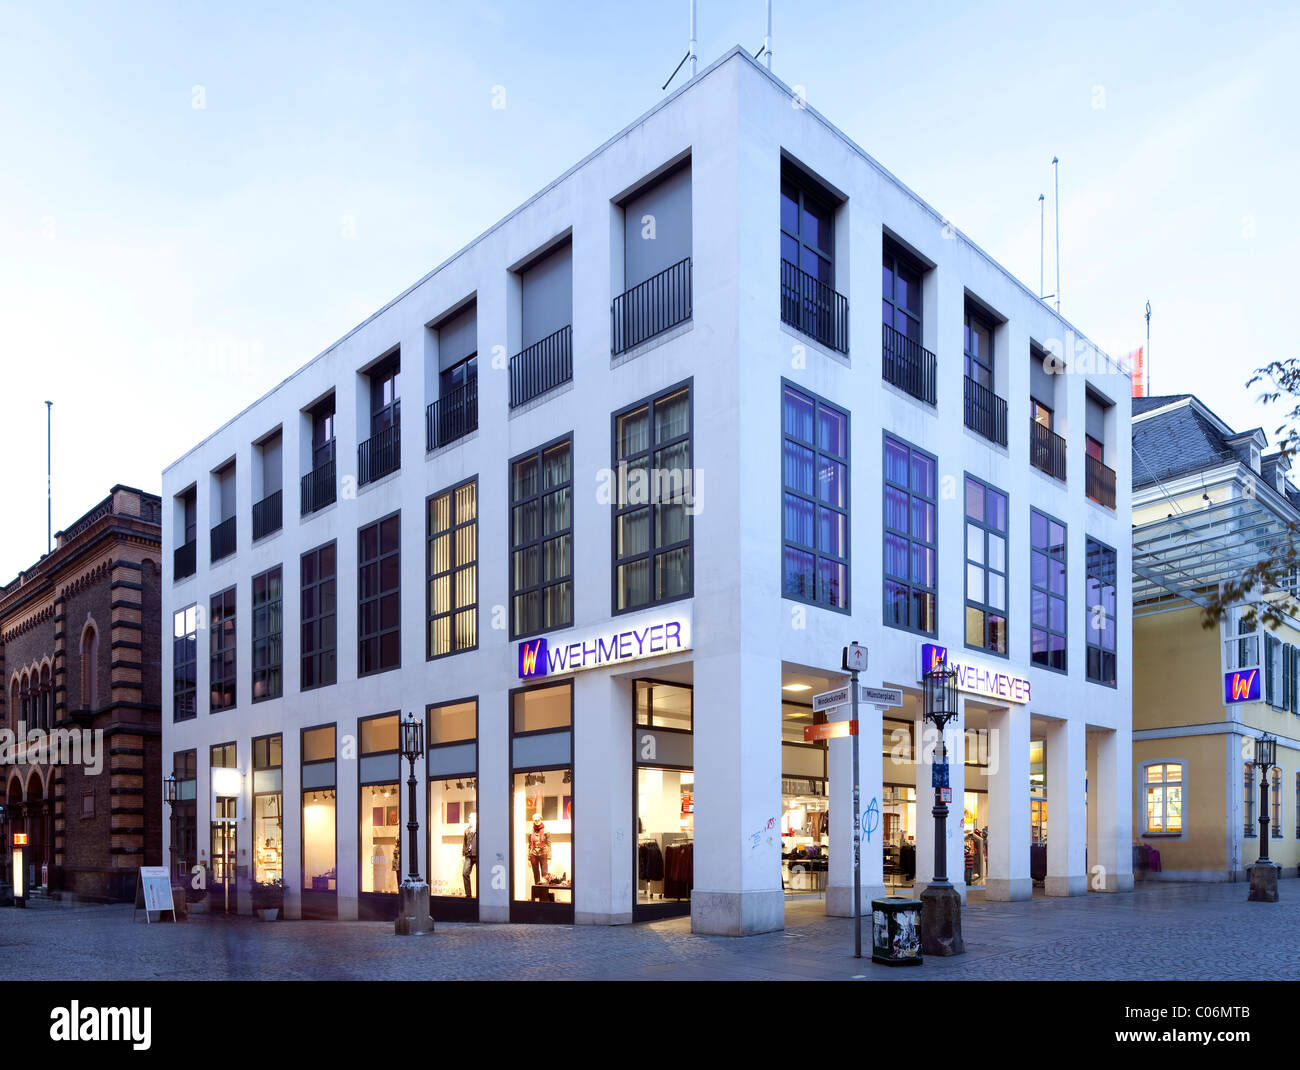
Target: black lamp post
x,y
169,796
1263,874
413,898
940,902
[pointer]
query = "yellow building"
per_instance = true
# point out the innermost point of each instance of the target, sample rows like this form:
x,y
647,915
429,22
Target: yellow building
x,y
1207,503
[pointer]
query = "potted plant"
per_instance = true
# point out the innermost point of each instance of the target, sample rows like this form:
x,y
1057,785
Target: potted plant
x,y
268,898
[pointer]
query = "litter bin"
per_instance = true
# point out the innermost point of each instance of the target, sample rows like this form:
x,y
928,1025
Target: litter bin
x,y
896,931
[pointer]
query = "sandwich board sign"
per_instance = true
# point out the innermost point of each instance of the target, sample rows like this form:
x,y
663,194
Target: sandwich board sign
x,y
153,893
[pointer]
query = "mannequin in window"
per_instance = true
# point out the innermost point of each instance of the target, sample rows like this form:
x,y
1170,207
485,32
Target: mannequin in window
x,y
539,850
469,853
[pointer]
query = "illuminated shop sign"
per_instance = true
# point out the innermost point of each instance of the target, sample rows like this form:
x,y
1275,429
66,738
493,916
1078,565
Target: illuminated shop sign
x,y
1241,686
627,639
976,679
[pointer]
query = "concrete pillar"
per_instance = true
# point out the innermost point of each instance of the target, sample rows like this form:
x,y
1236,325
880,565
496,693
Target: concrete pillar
x,y
954,743
494,794
606,843
1109,790
738,796
1065,744
839,887
1008,781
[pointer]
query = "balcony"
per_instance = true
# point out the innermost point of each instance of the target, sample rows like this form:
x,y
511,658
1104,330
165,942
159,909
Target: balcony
x,y
814,308
1046,450
183,560
318,488
1099,482
223,540
986,413
381,453
541,367
452,416
908,365
267,515
650,307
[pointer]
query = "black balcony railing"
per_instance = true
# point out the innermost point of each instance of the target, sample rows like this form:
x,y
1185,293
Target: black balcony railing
x,y
452,416
541,366
1099,482
380,454
1046,450
662,301
267,515
907,364
814,308
318,488
183,560
986,413
223,540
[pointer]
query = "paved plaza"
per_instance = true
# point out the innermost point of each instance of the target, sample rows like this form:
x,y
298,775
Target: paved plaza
x,y
1159,931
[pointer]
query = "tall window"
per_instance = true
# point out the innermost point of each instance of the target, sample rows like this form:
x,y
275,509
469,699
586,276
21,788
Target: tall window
x,y
1250,831
541,540
1100,588
977,347
89,668
910,537
815,509
222,650
385,396
900,296
379,596
1047,595
654,502
806,230
268,823
453,798
986,566
453,570
268,628
319,821
1275,804
319,637
185,643
184,829
1164,786
1297,805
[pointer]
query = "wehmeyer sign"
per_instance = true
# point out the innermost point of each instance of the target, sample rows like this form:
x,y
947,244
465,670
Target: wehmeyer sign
x,y
976,679
624,639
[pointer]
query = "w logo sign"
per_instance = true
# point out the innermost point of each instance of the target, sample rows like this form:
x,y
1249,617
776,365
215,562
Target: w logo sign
x,y
532,659
1241,686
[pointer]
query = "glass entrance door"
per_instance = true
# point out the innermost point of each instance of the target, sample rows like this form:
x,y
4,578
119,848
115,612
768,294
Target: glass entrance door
x,y
225,850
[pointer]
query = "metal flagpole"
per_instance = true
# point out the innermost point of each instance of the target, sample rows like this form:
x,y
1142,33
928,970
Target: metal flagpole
x,y
1040,246
49,500
1056,172
1148,360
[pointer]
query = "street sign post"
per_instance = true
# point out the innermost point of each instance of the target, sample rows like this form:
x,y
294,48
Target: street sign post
x,y
855,660
843,696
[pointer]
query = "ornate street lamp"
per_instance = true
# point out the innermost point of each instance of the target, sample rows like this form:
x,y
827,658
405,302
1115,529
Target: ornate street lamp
x,y
940,902
1263,874
169,796
413,903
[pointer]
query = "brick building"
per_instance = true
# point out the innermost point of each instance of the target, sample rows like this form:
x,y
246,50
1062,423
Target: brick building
x,y
80,764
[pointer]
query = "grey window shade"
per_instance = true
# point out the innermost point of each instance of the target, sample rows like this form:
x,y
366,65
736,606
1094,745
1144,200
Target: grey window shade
x,y
458,337
669,203
272,466
1042,386
548,295
1095,420
226,482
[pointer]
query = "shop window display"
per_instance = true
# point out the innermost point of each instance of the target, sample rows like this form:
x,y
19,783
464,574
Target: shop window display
x,y
543,824
319,813
665,834
975,832
268,826
805,835
898,826
381,861
453,837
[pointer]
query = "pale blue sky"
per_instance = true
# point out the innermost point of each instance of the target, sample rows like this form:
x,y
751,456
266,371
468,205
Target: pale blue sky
x,y
168,264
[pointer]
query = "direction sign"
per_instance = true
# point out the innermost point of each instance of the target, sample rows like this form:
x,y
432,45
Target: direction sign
x,y
830,730
843,696
828,700
882,696
855,657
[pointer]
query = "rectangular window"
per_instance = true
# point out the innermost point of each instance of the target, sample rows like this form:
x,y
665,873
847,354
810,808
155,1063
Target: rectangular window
x,y
184,851
1297,805
223,843
1275,804
541,540
1047,591
977,349
815,500
910,537
453,799
1164,787
222,649
319,818
379,596
318,626
654,501
268,825
986,566
453,570
185,641
268,635
1250,831
1100,599
900,295
380,805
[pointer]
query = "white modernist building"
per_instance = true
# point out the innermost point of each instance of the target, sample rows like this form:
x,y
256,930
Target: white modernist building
x,y
722,398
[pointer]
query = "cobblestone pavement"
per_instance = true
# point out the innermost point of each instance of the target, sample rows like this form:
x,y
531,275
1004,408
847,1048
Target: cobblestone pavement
x,y
1160,931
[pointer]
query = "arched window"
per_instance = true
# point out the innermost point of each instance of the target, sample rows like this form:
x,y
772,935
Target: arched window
x,y
15,709
89,668
46,698
25,716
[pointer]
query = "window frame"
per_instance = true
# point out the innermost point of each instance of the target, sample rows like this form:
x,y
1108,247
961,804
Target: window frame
x,y
1251,830
818,403
984,607
317,653
888,577
266,641
512,548
191,639
455,568
1142,786
378,634
231,647
1047,592
1111,619
1276,804
894,259
654,550
971,317
808,190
